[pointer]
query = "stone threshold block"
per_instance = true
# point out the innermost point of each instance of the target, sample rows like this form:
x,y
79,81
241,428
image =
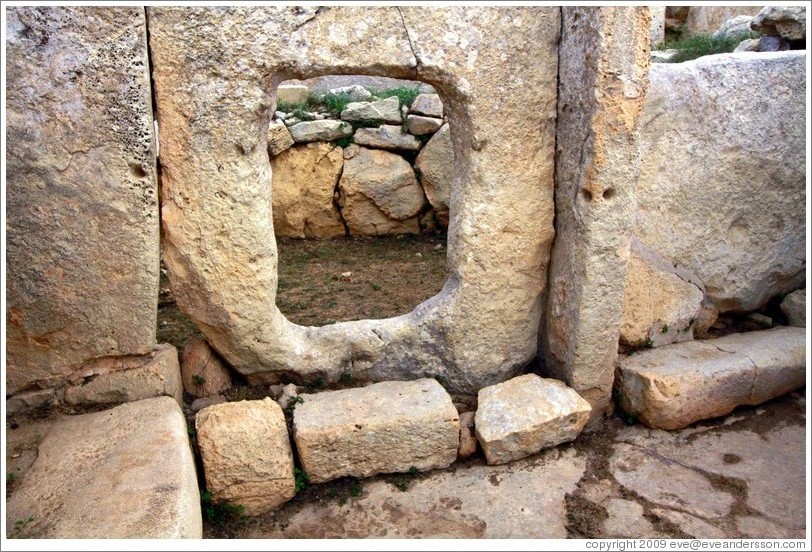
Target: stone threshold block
x,y
246,453
676,385
387,427
127,472
526,414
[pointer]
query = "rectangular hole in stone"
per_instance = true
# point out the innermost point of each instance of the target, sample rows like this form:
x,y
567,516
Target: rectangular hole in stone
x,y
361,178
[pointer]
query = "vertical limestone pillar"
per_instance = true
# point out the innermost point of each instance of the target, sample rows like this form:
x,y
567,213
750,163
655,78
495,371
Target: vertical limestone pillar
x,y
603,78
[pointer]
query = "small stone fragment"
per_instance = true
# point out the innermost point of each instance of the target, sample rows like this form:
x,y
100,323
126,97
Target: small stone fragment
x,y
794,307
382,111
421,126
319,131
279,138
468,442
387,137
429,105
203,373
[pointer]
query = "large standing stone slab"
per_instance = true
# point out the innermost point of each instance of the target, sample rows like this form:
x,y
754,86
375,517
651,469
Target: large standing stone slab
x,y
122,473
212,77
304,182
246,453
435,168
387,427
82,211
676,385
524,415
604,76
745,243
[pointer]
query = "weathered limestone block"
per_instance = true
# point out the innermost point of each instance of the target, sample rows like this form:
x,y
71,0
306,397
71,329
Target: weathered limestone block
x,y
383,111
435,166
386,137
292,94
524,415
604,77
788,22
82,211
420,126
707,19
735,26
660,305
794,307
246,453
131,379
387,427
202,372
304,182
355,92
379,194
656,33
279,138
429,105
30,400
325,130
748,45
745,244
122,473
674,386
481,328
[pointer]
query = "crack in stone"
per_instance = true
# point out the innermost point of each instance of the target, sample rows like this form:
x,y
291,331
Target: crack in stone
x,y
417,61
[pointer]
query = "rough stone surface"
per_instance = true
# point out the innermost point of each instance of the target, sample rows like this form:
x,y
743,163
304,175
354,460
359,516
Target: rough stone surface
x,y
794,307
468,442
386,427
501,226
320,85
133,379
748,45
420,126
660,306
202,371
325,130
203,402
604,77
382,111
663,56
656,33
707,19
744,244
82,199
773,44
674,386
625,518
304,183
379,194
428,105
524,415
735,26
435,165
292,93
246,454
355,92
386,137
122,473
279,138
788,22
30,400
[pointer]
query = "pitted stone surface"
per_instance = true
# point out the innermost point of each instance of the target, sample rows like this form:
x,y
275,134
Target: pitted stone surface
x,y
524,415
482,327
122,473
387,427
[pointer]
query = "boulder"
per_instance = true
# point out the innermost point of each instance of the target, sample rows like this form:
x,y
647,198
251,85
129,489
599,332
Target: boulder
x,y
279,138
292,94
526,414
304,183
30,400
202,371
677,385
660,305
130,379
420,126
468,442
379,194
794,307
773,44
82,197
386,137
355,92
435,167
429,105
748,45
246,454
735,26
744,244
203,402
123,473
788,22
707,19
325,130
380,112
389,427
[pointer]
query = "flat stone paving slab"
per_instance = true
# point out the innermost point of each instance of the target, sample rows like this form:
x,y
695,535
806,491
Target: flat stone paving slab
x,y
127,472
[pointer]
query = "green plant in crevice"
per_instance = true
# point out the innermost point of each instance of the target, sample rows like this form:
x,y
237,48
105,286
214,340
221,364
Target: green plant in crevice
x,y
335,102
197,379
220,513
301,479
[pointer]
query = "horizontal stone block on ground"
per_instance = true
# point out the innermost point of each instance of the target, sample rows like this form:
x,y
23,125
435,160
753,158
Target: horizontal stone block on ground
x,y
524,415
387,427
677,385
127,472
